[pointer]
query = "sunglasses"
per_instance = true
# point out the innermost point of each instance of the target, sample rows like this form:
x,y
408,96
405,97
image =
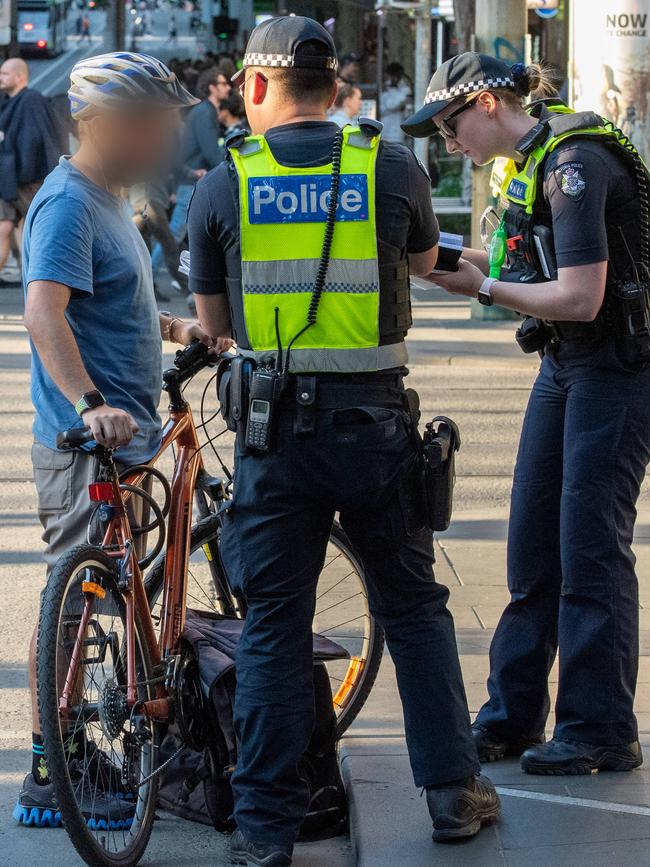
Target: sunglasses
x,y
242,86
446,130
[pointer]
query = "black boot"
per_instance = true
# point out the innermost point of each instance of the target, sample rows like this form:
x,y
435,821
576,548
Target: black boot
x,y
562,756
459,810
491,748
244,851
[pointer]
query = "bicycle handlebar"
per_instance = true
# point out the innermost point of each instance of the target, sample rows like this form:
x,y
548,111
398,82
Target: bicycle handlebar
x,y
187,363
73,438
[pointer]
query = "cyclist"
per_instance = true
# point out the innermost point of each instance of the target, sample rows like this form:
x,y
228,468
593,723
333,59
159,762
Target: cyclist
x,y
575,225
94,328
344,439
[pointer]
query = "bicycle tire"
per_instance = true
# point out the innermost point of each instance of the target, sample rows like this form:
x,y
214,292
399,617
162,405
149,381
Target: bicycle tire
x,y
80,834
208,530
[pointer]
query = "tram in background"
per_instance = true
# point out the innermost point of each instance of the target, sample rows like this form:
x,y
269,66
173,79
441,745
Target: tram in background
x,y
41,26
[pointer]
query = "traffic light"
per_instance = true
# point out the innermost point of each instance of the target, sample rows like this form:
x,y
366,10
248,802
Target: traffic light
x,y
225,28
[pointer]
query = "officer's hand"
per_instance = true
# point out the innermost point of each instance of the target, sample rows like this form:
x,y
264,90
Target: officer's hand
x,y
466,281
186,332
111,427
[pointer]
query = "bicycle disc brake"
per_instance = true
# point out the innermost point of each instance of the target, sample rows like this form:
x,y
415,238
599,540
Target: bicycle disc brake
x,y
189,706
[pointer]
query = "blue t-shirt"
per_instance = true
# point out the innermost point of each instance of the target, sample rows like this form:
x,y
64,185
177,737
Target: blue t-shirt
x,y
78,234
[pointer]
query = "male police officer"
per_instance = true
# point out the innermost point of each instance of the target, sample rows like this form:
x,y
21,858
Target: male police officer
x,y
342,440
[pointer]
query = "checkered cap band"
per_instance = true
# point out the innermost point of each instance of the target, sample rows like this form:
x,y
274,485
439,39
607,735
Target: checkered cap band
x,y
259,59
467,87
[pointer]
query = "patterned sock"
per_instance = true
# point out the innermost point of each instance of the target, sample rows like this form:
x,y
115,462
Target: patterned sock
x,y
74,745
39,765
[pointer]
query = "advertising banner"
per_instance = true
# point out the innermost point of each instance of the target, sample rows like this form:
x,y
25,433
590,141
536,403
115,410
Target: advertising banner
x,y
610,64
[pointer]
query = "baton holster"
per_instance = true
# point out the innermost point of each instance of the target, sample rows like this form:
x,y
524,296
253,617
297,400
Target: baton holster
x,y
440,443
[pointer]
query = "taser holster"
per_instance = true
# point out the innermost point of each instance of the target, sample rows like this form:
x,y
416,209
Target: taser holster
x,y
440,443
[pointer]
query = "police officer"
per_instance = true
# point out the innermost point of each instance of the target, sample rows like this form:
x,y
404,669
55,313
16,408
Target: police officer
x,y
259,229
574,224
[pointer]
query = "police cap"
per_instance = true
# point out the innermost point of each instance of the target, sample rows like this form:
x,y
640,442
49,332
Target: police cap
x,y
461,76
274,43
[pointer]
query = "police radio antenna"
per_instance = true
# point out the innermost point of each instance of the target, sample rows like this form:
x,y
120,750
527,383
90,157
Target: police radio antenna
x,y
323,265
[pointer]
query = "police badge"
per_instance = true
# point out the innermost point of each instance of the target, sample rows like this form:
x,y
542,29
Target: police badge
x,y
571,181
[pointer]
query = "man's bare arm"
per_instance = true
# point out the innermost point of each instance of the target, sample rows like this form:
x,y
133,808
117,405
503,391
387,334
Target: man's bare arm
x,y
213,314
57,348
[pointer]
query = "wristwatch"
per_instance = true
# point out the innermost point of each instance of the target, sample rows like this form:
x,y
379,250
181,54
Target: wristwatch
x,y
89,400
484,293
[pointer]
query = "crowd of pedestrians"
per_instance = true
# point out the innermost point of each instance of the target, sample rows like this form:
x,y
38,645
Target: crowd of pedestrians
x,y
28,152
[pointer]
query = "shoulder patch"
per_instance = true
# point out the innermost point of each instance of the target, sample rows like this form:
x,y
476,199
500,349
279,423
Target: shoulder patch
x,y
570,179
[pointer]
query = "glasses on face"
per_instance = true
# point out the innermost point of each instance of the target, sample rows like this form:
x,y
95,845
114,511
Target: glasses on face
x,y
242,86
445,128
223,81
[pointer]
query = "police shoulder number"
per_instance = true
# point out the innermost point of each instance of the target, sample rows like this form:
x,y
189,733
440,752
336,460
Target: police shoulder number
x,y
570,177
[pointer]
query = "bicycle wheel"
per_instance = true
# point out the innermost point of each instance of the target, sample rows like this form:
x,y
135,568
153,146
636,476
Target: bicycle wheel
x,y
100,758
342,612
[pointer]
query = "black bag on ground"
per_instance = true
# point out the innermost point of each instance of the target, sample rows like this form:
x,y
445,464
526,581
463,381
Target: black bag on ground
x,y
196,784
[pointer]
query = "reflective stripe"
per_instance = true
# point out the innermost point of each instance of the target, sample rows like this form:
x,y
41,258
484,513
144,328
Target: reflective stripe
x,y
338,360
297,275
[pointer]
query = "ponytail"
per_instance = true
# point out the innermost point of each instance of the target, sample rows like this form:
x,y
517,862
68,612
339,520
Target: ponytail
x,y
537,81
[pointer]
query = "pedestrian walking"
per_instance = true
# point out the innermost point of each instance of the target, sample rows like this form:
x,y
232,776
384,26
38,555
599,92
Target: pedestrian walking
x,y
574,231
31,143
172,31
85,30
202,142
341,438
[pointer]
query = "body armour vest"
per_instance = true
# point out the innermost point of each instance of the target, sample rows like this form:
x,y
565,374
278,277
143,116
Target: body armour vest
x,y
364,310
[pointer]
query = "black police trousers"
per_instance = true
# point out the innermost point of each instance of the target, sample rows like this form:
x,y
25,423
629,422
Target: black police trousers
x,y
273,546
583,453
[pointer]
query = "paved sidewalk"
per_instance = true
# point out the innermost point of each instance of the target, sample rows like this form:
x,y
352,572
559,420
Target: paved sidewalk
x,y
474,372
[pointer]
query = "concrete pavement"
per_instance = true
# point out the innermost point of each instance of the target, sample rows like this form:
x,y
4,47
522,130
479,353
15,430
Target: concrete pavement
x,y
475,373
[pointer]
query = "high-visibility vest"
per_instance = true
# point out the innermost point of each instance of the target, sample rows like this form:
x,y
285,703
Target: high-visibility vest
x,y
283,212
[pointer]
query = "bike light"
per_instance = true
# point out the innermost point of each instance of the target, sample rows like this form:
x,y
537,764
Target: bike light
x,y
101,492
41,43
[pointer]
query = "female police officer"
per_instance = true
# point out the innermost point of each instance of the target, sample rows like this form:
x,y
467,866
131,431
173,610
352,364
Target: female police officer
x,y
575,227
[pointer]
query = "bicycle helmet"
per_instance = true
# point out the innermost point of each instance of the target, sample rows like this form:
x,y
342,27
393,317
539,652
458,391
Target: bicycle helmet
x,y
120,79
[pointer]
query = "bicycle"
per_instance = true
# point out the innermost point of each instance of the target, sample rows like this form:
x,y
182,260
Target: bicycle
x,y
112,671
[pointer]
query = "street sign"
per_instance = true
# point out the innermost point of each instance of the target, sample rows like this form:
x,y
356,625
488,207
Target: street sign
x,y
544,8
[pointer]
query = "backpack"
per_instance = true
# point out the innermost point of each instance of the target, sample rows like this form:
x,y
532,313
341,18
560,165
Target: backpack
x,y
196,783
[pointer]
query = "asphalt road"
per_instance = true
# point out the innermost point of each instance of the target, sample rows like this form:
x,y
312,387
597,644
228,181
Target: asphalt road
x,y
51,75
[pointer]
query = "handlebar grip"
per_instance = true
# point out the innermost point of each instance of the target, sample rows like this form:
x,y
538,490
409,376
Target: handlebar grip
x,y
73,438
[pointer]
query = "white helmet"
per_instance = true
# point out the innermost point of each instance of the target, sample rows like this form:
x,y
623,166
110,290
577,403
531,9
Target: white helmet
x,y
123,78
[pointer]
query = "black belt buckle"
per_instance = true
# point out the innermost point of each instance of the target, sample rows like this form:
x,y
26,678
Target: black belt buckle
x,y
305,421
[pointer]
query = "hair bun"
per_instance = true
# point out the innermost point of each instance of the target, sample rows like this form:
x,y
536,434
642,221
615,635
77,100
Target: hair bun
x,y
521,79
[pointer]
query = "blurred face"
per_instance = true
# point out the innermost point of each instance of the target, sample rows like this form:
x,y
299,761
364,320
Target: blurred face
x,y
12,77
471,128
133,146
352,105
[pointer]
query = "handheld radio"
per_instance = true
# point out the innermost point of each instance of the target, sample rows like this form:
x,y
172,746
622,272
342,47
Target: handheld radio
x,y
259,425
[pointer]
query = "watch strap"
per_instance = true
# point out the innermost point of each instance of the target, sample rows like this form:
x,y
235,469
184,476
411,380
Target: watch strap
x,y
485,292
89,400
